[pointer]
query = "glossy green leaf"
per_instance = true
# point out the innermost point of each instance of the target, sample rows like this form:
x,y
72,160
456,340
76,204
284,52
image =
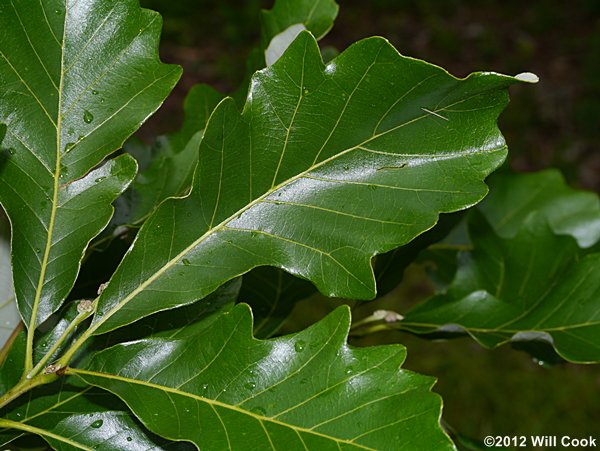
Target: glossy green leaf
x,y
70,415
272,293
534,286
326,166
77,79
568,211
180,322
222,389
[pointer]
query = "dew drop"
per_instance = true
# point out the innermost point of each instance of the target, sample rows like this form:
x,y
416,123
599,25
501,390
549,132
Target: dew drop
x,y
299,346
542,363
87,117
71,131
94,92
129,439
96,424
186,262
250,385
58,12
38,250
12,151
99,179
204,388
69,147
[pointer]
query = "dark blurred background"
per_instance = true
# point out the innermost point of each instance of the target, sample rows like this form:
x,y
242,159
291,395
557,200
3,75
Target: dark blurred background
x,y
554,123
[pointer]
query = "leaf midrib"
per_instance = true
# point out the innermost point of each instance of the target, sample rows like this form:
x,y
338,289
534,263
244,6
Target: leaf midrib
x,y
211,402
42,432
36,302
254,202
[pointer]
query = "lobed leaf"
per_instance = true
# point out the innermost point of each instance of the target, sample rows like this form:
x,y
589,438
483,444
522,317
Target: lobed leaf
x,y
326,167
77,79
222,389
280,21
534,286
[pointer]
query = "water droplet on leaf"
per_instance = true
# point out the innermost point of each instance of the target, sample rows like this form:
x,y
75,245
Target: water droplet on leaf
x,y
94,92
129,439
96,424
99,179
87,117
250,385
299,346
186,262
542,363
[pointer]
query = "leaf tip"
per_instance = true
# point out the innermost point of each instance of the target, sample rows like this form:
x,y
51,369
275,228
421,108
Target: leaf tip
x,y
527,77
